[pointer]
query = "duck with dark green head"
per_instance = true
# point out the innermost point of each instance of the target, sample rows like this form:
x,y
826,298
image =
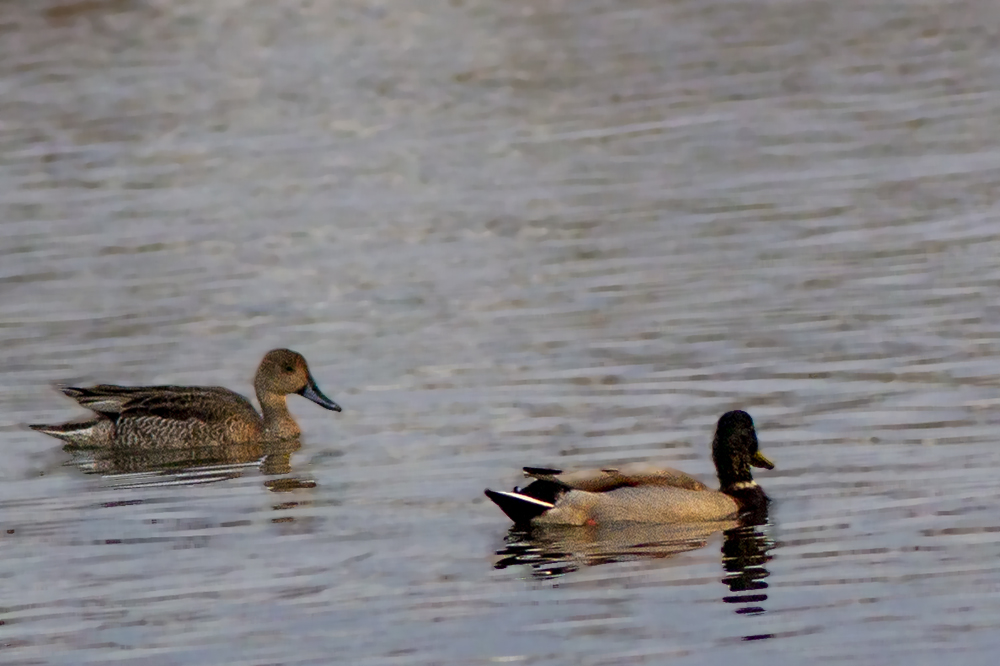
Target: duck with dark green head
x,y
639,492
734,451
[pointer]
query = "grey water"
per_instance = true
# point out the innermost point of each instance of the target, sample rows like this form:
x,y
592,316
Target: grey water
x,y
560,233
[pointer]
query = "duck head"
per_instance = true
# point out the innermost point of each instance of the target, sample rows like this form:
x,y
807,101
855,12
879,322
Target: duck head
x,y
735,450
283,372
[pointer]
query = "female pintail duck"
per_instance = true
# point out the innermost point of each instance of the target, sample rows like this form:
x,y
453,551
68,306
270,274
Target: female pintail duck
x,y
643,493
183,416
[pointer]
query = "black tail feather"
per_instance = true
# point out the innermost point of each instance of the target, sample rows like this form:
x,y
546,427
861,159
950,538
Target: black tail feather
x,y
519,508
542,471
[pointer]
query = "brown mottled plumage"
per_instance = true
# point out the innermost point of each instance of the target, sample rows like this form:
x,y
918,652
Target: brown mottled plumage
x,y
642,493
185,416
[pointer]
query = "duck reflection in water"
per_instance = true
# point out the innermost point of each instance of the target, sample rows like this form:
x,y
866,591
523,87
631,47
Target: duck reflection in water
x,y
746,550
550,552
125,467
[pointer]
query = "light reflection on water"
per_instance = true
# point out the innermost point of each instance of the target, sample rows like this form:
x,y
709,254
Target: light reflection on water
x,y
573,233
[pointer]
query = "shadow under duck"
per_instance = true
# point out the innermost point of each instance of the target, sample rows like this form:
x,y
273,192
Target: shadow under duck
x,y
644,493
188,416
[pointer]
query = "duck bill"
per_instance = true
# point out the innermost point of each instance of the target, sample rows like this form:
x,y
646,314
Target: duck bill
x,y
759,460
312,392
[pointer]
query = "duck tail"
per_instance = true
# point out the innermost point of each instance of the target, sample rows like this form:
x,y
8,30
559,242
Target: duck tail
x,y
519,507
86,433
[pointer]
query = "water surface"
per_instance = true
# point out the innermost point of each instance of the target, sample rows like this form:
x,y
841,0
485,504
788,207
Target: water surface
x,y
558,233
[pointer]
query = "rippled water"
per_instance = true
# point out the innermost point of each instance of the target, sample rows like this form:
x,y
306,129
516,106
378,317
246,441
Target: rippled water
x,y
553,233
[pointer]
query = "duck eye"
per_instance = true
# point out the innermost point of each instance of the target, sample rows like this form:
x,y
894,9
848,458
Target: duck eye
x,y
289,369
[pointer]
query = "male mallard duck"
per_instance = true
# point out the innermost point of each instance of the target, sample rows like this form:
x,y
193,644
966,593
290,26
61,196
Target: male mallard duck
x,y
643,493
185,416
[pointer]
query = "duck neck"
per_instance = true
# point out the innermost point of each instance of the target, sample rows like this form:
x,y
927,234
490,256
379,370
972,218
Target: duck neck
x,y
278,422
736,480
734,472
732,463
748,495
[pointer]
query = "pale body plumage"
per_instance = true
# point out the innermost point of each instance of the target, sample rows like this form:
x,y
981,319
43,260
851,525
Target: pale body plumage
x,y
642,504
